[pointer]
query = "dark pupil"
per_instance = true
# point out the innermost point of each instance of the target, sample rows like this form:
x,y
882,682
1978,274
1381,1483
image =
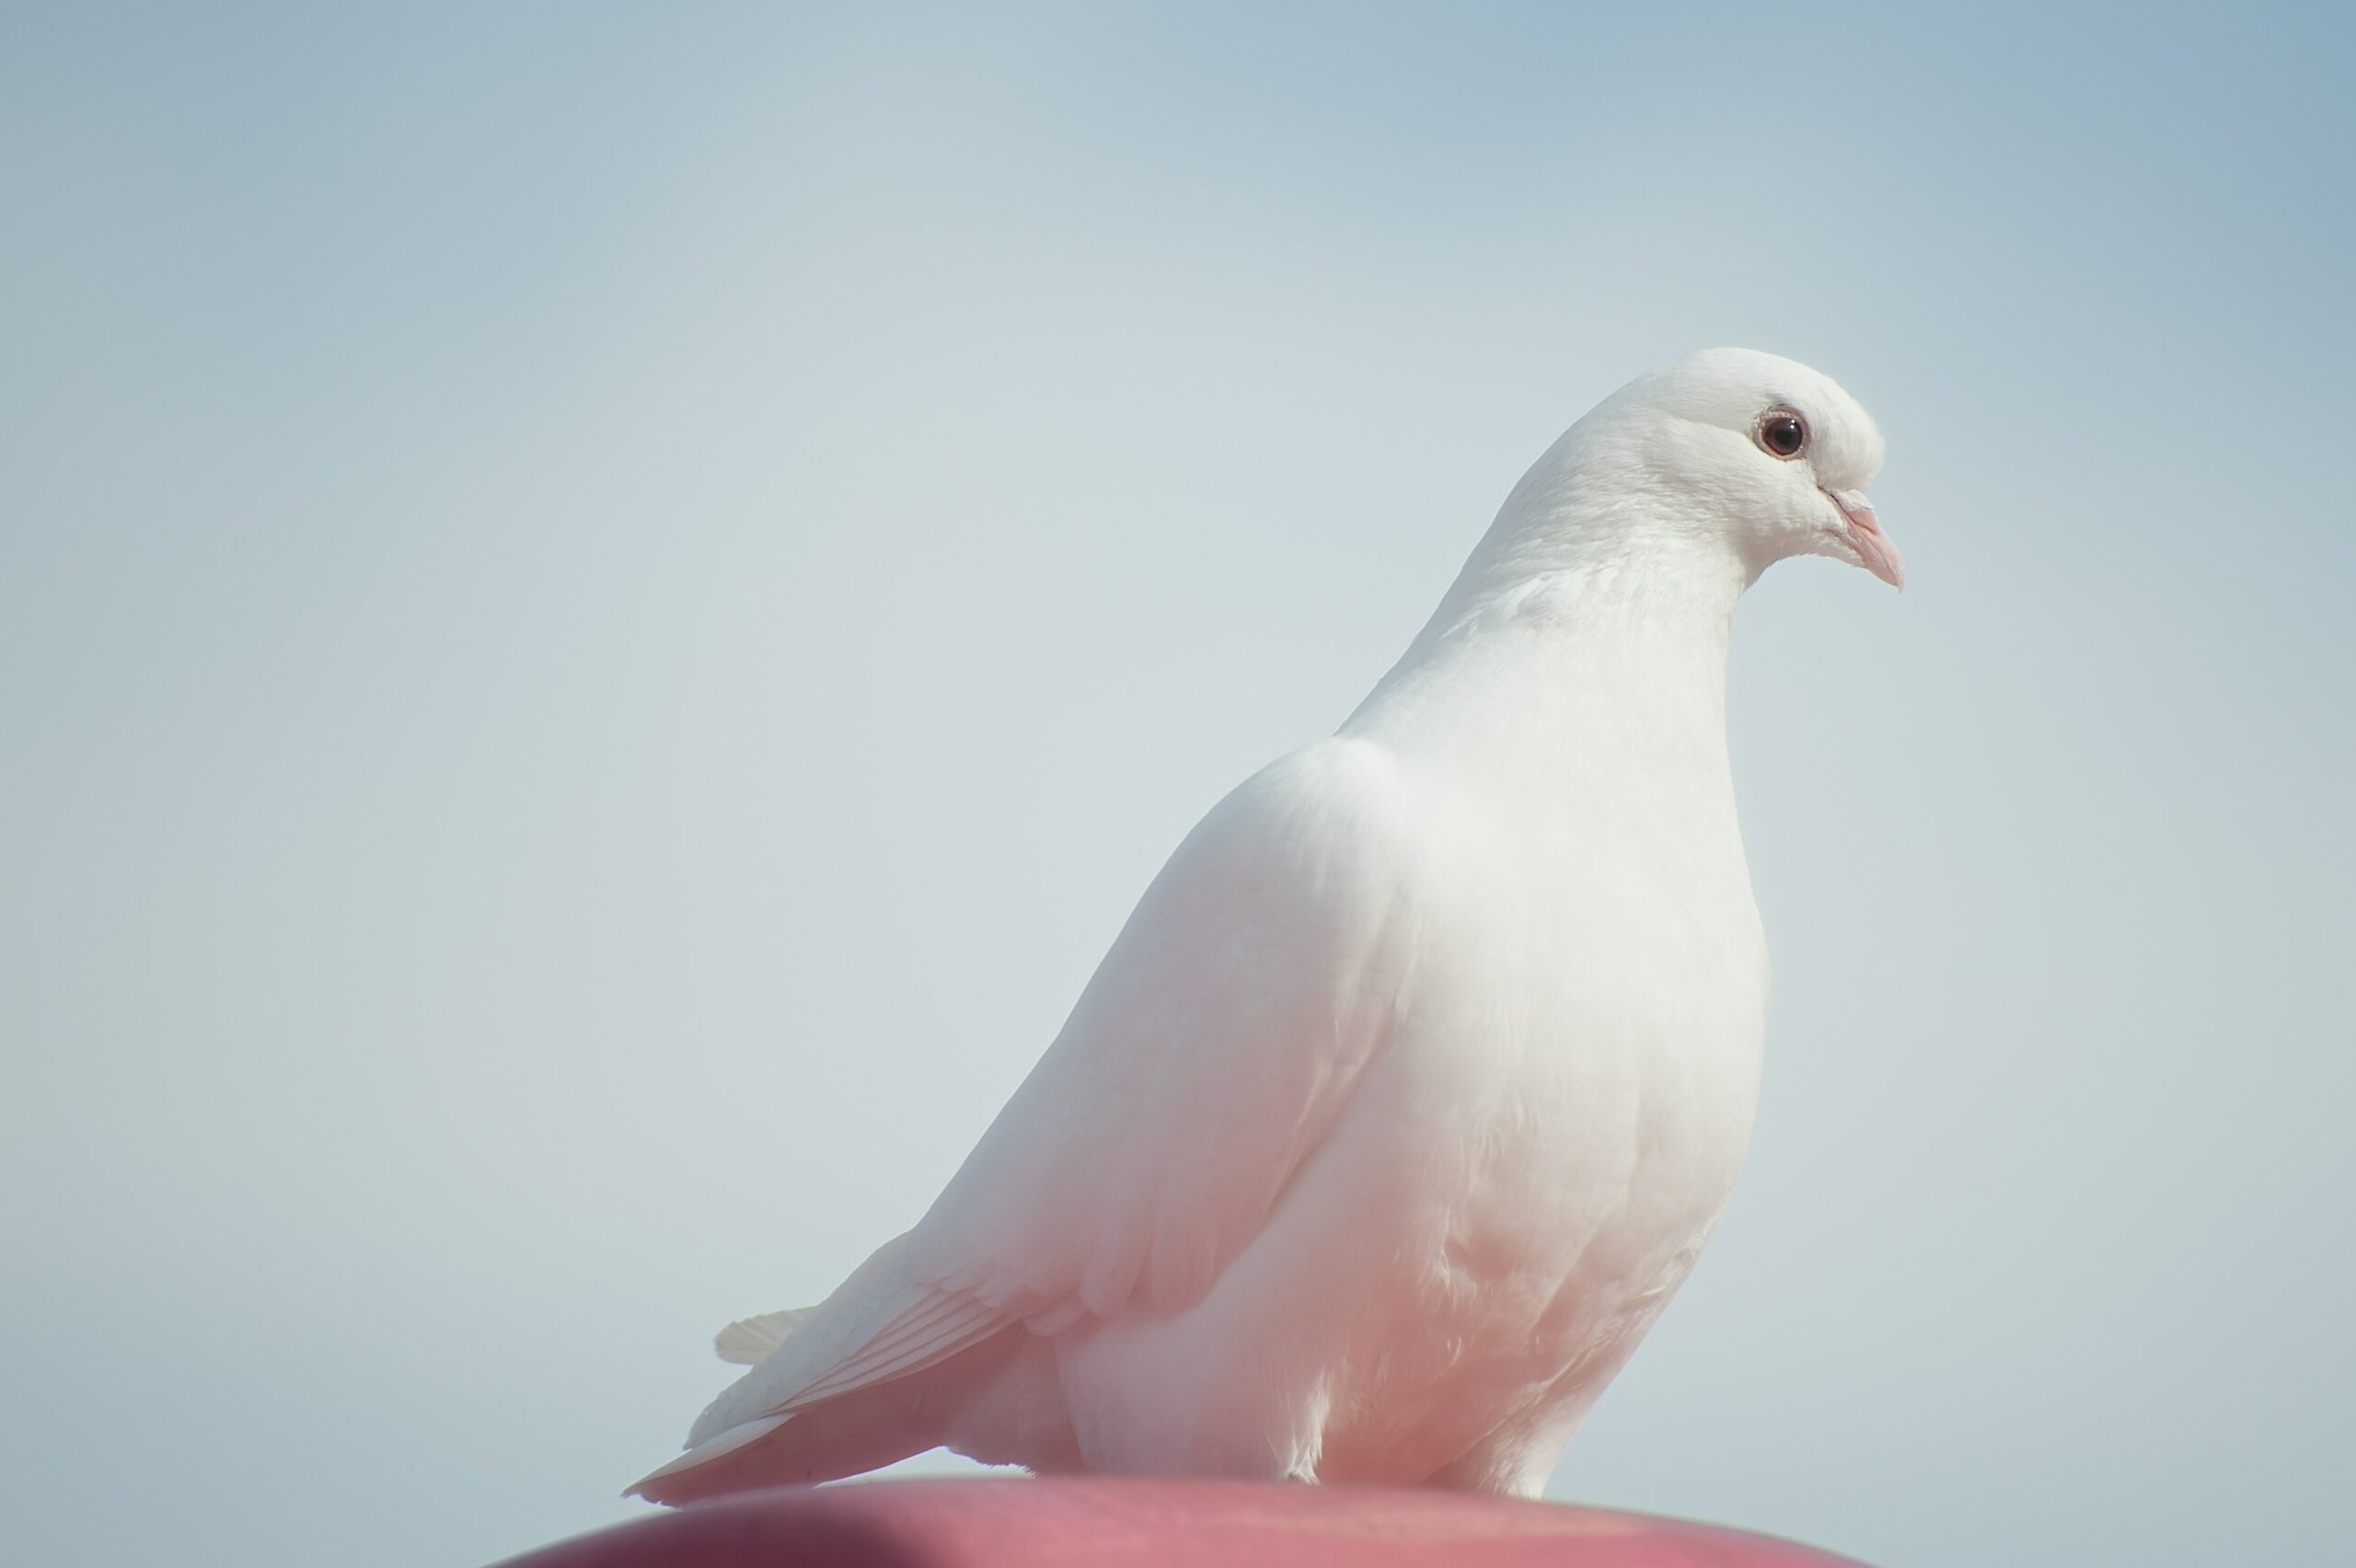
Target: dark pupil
x,y
1783,433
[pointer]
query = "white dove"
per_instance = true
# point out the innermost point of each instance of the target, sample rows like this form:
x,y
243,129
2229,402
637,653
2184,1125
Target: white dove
x,y
1419,1077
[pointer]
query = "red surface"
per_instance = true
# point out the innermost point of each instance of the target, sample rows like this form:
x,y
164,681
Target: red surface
x,y
1064,1524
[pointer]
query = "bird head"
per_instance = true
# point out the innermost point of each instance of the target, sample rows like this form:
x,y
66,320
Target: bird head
x,y
1768,455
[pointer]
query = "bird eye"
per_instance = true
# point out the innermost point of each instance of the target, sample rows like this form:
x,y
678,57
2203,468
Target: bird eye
x,y
1783,433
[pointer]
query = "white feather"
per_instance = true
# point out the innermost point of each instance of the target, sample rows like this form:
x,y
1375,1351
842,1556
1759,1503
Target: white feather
x,y
748,1342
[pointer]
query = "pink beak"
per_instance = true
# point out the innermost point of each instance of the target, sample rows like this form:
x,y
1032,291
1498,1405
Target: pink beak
x,y
1875,551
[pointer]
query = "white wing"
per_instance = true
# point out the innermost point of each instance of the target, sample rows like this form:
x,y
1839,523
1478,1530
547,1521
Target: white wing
x,y
1213,1049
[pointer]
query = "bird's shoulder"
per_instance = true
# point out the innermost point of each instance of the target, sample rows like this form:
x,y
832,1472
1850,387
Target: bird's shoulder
x,y
1314,826
1212,1050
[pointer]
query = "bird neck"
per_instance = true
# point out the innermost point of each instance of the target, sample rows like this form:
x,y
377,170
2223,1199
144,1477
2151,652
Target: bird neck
x,y
1550,651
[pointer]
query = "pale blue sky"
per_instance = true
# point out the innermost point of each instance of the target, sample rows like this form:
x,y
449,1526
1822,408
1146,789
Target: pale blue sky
x,y
602,610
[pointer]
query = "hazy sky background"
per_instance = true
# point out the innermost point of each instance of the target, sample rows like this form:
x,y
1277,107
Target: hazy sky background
x,y
603,609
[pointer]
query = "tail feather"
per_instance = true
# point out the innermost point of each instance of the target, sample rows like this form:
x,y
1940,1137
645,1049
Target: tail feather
x,y
872,1426
663,1484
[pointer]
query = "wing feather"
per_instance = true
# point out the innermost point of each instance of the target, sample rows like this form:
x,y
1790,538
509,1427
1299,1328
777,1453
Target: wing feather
x,y
1213,1051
